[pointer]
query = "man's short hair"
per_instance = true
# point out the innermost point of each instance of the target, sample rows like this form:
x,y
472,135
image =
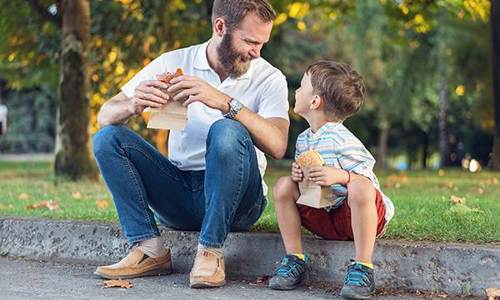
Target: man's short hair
x,y
233,11
340,86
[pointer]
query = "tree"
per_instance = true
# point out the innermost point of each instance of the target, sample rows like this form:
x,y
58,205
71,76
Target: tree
x,y
495,34
73,157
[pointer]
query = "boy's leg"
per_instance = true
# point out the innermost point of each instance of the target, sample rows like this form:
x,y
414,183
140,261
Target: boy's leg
x,y
291,270
364,219
286,193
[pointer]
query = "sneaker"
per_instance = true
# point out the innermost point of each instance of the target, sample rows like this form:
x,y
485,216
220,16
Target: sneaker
x,y
208,270
137,264
289,274
359,282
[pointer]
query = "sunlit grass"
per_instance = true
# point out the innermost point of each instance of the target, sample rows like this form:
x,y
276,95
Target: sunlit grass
x,y
424,210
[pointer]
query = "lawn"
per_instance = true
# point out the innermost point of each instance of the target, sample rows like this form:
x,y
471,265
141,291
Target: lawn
x,y
450,205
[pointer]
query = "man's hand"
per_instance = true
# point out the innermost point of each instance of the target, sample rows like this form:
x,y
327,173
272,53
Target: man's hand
x,y
149,93
297,174
327,176
195,89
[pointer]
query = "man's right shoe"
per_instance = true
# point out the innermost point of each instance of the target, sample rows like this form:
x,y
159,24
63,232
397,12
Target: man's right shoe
x,y
137,264
208,270
289,273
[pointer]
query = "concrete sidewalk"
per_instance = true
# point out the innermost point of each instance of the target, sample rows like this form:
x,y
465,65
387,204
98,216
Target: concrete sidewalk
x,y
25,279
451,268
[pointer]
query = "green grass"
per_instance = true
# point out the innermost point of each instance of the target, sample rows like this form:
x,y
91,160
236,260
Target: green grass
x,y
424,210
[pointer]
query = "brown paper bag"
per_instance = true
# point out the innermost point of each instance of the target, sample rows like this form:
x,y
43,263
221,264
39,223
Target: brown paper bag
x,y
171,116
312,194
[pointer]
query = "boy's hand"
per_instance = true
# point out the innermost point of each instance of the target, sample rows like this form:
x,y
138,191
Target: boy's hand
x,y
297,174
327,176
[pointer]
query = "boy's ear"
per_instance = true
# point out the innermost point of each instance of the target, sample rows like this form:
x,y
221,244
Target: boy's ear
x,y
316,102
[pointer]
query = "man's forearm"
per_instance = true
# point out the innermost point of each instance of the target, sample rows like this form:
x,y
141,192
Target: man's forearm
x,y
267,136
114,112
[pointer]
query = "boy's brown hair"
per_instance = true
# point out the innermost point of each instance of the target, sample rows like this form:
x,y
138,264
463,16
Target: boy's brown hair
x,y
340,86
233,11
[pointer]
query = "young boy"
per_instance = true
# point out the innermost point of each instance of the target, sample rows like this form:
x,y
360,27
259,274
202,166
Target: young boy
x,y
330,92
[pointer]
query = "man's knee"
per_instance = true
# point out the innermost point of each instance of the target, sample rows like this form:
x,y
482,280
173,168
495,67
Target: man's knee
x,y
224,135
285,189
105,139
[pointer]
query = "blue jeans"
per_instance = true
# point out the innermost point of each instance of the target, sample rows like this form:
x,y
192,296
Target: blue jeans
x,y
226,196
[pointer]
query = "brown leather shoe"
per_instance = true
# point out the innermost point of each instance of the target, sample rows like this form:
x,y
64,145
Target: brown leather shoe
x,y
137,264
208,270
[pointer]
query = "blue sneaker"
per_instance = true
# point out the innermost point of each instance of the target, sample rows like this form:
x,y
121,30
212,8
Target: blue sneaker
x,y
359,282
289,274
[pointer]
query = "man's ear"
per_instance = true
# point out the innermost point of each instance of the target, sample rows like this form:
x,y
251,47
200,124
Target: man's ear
x,y
219,27
316,102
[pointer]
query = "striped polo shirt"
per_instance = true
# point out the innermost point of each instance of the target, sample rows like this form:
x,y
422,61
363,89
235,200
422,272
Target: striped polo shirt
x,y
341,149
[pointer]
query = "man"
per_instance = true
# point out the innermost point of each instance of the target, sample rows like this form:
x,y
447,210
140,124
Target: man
x,y
3,116
212,179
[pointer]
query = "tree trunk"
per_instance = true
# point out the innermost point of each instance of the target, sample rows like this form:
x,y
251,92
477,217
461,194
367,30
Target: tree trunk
x,y
383,139
443,131
495,34
73,158
442,89
425,150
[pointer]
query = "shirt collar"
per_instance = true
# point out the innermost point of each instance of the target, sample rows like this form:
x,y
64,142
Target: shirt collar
x,y
201,62
323,129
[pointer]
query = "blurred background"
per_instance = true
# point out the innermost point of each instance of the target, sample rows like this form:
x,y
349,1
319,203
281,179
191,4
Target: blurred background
x,y
428,67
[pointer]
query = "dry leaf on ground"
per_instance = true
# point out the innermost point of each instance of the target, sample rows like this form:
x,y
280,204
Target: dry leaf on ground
x,y
443,296
457,200
23,196
120,283
77,195
50,205
441,172
102,203
2,206
492,293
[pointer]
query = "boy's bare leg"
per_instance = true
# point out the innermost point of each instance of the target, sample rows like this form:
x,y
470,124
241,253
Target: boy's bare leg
x,y
286,193
361,200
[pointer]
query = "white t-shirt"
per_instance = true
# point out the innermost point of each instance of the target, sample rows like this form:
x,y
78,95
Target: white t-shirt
x,y
262,89
3,113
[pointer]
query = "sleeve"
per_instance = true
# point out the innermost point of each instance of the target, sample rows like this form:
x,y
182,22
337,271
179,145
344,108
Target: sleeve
x,y
274,103
300,145
158,66
358,160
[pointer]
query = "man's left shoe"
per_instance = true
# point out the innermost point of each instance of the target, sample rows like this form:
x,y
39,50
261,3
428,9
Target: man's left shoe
x,y
359,282
208,270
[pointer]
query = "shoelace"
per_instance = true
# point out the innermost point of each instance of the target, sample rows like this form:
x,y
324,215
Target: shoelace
x,y
356,275
288,267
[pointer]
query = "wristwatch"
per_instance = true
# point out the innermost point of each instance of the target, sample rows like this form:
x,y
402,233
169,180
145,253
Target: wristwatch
x,y
234,108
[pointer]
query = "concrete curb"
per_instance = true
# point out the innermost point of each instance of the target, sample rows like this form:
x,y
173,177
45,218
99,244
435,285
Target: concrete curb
x,y
451,268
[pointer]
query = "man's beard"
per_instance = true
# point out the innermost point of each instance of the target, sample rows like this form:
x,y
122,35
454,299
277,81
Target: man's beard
x,y
234,63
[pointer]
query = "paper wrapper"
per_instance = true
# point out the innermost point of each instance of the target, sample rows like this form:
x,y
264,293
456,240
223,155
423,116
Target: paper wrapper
x,y
312,194
173,115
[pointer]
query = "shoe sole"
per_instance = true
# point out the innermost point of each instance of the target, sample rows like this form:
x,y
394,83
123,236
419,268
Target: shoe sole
x,y
156,272
205,284
356,296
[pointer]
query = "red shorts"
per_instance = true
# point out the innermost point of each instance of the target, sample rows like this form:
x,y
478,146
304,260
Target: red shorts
x,y
336,224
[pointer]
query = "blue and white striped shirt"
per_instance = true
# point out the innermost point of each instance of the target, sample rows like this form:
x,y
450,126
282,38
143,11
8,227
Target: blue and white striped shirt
x,y
341,149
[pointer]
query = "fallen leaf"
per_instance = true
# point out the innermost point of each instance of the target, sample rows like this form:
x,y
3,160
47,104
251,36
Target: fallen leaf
x,y
102,203
480,191
449,184
117,283
50,205
457,200
492,293
444,296
23,196
418,293
262,279
77,195
441,172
